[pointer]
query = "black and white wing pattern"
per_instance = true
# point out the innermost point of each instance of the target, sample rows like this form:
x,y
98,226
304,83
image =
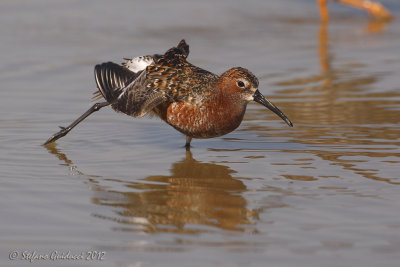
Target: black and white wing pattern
x,y
110,79
115,81
141,83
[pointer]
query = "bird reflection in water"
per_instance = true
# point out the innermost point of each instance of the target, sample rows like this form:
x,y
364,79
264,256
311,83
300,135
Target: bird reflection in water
x,y
196,197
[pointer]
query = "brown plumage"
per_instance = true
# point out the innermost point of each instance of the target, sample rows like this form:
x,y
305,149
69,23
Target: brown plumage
x,y
194,101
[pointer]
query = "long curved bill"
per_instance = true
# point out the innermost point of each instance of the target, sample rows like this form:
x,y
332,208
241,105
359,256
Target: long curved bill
x,y
259,98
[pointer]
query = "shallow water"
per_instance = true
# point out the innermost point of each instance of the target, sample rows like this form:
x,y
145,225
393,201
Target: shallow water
x,y
323,193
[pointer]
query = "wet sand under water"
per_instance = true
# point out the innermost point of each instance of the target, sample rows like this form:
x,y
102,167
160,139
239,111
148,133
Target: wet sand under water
x,y
324,193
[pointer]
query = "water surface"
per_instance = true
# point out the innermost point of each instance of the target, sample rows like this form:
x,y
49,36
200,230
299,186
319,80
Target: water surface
x,y
323,193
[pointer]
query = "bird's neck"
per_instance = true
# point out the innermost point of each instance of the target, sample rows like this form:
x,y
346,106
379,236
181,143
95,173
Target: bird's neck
x,y
231,110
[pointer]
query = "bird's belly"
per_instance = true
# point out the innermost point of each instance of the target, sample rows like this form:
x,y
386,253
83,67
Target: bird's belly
x,y
201,121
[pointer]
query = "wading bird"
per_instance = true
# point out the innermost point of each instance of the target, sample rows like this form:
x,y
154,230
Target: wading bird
x,y
194,101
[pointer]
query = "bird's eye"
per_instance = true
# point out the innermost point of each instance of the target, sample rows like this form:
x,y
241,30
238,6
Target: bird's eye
x,y
240,84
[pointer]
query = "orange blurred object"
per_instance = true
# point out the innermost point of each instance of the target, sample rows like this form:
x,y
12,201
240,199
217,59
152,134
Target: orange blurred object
x,y
377,10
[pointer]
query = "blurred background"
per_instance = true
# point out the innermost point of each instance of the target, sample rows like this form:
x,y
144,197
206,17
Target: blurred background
x,y
324,192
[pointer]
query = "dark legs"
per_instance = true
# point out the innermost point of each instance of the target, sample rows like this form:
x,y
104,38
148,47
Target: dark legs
x,y
66,130
188,140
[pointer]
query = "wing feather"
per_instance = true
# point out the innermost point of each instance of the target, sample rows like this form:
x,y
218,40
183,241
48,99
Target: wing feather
x,y
139,97
142,83
110,79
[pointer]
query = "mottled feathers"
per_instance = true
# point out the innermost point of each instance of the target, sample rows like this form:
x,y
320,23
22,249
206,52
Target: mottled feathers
x,y
142,83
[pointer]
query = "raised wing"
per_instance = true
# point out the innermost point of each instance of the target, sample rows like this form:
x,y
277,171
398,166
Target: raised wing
x,y
151,87
139,97
143,83
110,79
